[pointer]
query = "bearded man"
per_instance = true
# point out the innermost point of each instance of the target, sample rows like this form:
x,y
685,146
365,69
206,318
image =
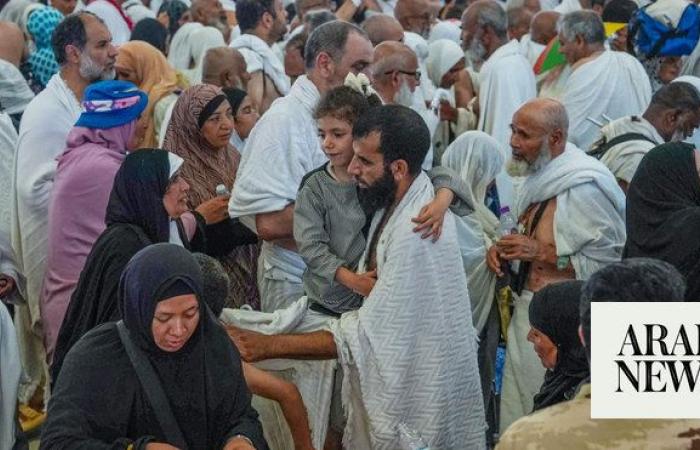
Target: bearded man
x,y
572,212
506,77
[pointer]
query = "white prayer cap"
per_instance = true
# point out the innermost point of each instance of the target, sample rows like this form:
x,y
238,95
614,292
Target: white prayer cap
x,y
442,56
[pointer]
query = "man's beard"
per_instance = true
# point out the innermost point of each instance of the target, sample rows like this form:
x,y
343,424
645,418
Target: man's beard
x,y
92,71
476,52
522,168
378,195
404,96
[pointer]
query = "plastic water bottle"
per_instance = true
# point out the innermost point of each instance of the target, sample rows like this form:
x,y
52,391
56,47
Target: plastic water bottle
x,y
508,224
410,439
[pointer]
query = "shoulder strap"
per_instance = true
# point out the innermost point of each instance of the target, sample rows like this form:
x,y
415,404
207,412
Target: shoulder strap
x,y
153,389
524,268
600,150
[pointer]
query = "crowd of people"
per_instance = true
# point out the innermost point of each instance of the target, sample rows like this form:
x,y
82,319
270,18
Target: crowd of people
x,y
364,224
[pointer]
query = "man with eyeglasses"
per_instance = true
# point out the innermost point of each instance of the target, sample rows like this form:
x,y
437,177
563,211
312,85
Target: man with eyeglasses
x,y
396,76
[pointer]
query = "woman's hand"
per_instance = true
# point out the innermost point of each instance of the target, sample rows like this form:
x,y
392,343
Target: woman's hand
x,y
214,210
432,215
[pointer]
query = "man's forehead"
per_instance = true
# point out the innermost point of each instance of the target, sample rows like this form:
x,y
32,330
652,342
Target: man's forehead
x,y
367,146
358,49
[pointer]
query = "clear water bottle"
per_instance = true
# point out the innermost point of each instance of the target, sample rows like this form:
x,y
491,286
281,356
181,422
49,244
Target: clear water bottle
x,y
508,224
410,439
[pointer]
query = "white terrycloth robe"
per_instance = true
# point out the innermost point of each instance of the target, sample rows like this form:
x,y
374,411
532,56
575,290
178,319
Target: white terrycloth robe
x,y
181,45
589,221
8,265
506,83
477,158
623,159
42,137
613,84
260,56
409,353
281,149
10,371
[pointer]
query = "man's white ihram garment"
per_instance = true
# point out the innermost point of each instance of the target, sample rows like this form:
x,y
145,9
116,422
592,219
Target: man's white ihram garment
x,y
10,371
260,56
281,149
613,84
42,137
589,228
409,353
589,221
624,158
506,83
114,21
314,379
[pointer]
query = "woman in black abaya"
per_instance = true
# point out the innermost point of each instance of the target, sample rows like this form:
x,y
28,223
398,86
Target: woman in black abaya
x,y
100,402
554,322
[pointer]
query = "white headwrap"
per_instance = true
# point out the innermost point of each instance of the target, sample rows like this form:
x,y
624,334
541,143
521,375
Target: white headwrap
x,y
360,83
449,29
443,55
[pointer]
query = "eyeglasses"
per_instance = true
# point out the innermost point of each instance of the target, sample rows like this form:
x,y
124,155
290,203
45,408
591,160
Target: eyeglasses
x,y
415,74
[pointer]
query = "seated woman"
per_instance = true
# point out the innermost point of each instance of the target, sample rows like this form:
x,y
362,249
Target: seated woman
x,y
199,132
95,149
245,116
145,66
188,391
554,321
148,204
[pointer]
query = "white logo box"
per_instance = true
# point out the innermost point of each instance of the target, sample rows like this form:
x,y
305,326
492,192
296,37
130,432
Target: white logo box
x,y
614,394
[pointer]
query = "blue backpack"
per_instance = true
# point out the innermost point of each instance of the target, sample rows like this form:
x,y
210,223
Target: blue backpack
x,y
650,37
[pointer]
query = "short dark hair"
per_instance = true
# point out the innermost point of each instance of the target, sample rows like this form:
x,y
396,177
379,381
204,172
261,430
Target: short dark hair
x,y
330,38
619,11
250,12
71,31
677,95
403,134
345,103
630,280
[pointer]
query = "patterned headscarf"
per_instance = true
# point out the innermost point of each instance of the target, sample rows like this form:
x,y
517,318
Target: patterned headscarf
x,y
205,167
153,75
40,26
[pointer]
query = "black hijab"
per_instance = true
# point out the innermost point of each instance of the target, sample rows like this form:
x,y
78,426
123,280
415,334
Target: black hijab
x,y
137,194
192,377
175,9
663,212
151,31
235,98
554,311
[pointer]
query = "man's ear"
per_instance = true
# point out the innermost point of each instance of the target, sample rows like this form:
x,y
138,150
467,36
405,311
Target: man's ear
x,y
399,169
325,65
556,137
72,54
267,20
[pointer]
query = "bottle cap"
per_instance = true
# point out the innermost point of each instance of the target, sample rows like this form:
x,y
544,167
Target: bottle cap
x,y
505,210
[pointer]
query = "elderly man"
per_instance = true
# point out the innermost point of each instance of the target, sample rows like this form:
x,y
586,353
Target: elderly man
x,y
415,16
518,22
569,424
572,212
286,140
413,332
673,115
262,22
83,48
395,73
381,28
15,94
225,67
211,13
604,84
506,78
